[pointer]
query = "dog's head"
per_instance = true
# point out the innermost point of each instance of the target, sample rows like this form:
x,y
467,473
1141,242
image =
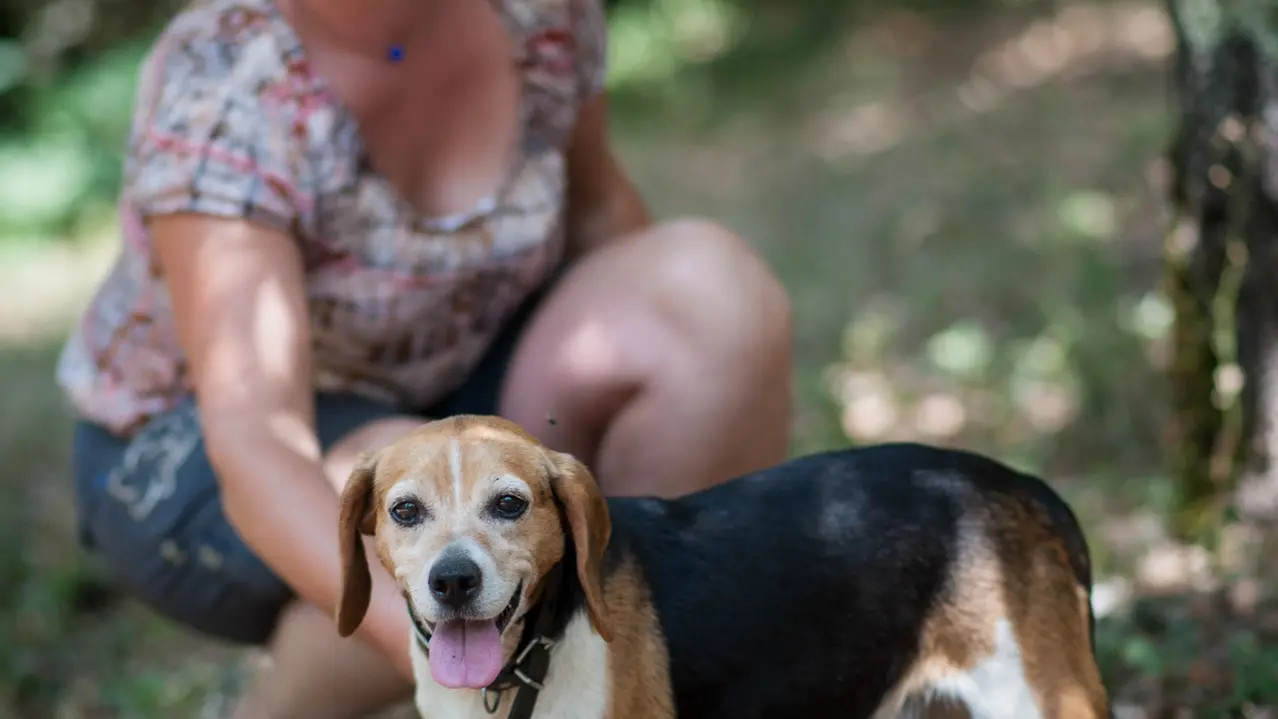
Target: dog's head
x,y
469,514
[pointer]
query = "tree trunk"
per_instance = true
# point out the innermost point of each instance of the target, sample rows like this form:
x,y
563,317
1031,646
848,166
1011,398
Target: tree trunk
x,y
1220,262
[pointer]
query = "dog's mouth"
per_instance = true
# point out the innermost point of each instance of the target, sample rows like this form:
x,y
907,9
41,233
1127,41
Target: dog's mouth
x,y
507,614
502,620
467,653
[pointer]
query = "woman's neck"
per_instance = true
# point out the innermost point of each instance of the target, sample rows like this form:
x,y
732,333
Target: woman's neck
x,y
373,28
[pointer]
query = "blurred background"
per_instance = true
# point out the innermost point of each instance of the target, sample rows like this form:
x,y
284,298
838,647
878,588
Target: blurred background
x,y
967,199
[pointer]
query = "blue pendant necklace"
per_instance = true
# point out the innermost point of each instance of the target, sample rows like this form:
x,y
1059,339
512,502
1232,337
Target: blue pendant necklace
x,y
395,53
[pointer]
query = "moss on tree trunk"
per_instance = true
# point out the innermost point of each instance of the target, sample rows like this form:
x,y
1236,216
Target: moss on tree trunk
x,y
1220,259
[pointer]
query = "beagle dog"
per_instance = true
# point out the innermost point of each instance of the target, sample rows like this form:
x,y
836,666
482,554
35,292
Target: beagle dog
x,y
855,584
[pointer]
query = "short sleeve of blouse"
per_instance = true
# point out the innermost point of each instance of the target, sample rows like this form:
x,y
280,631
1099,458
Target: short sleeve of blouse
x,y
590,37
212,133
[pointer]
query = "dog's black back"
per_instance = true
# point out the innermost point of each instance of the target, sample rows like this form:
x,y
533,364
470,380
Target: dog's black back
x,y
801,590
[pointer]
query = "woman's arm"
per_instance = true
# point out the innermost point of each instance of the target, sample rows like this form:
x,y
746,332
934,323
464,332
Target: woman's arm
x,y
602,202
239,302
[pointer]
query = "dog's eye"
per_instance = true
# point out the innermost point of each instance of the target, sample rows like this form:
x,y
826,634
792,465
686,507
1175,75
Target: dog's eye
x,y
406,512
508,506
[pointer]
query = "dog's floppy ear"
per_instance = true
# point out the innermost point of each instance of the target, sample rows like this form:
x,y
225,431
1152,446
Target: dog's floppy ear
x,y
356,519
590,527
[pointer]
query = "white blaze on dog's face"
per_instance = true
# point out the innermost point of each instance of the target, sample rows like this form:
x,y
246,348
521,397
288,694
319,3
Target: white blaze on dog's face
x,y
466,519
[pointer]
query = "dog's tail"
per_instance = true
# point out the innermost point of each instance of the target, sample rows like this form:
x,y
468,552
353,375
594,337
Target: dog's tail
x,y
1067,527
1070,531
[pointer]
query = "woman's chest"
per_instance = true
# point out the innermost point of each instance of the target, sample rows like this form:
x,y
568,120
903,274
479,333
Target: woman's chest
x,y
386,291
458,168
442,120
361,223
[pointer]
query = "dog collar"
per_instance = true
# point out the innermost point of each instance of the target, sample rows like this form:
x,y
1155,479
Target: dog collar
x,y
527,670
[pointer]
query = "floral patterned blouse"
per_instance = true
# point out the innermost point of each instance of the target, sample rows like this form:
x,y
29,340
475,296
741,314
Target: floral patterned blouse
x,y
231,121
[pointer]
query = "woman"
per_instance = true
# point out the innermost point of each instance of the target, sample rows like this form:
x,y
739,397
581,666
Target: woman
x,y
340,217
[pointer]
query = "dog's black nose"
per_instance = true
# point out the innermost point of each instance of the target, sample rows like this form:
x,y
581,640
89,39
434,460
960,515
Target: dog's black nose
x,y
454,580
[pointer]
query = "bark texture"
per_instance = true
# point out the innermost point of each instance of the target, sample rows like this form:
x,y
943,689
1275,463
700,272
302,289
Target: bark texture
x,y
1221,258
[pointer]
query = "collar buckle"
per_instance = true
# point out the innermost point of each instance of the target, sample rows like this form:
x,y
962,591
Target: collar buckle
x,y
492,694
538,642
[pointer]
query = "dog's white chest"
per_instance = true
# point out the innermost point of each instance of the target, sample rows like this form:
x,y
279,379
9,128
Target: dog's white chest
x,y
576,684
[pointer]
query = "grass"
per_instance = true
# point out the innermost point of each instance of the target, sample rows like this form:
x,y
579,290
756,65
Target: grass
x,y
968,218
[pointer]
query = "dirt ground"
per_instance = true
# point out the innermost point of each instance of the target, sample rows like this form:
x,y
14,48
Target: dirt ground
x,y
969,221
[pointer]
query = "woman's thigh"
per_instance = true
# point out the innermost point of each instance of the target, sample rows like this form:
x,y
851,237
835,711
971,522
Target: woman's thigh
x,y
664,359
151,508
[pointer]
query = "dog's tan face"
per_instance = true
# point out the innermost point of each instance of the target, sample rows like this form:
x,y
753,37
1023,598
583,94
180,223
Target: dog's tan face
x,y
466,523
468,515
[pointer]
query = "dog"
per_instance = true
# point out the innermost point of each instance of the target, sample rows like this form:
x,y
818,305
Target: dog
x,y
853,584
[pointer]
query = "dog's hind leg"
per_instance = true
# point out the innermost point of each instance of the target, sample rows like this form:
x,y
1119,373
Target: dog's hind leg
x,y
1039,679
1008,679
993,687
996,687
1011,647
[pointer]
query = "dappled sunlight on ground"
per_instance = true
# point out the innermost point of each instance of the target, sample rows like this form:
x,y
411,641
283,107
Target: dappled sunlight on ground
x,y
990,282
1080,40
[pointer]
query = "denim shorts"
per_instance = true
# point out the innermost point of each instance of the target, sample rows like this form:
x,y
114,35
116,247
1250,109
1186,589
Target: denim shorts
x,y
150,507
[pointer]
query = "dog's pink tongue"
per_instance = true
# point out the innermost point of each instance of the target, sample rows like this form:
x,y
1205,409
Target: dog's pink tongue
x,y
465,654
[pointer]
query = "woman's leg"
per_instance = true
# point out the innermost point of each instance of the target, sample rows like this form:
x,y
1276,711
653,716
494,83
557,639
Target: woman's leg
x,y
310,672
663,360
151,509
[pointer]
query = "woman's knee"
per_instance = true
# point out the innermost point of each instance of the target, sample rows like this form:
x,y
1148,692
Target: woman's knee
x,y
721,298
152,512
685,309
682,292
151,508
372,436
